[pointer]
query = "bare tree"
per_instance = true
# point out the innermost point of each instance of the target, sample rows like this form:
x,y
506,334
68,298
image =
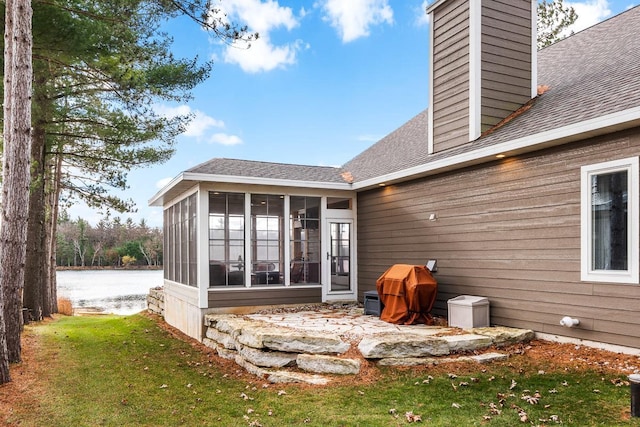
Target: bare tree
x,y
16,176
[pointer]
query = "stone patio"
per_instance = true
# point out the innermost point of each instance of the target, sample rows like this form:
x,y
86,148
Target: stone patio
x,y
306,345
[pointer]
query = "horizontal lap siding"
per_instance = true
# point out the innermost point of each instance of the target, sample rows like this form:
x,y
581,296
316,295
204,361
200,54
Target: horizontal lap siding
x,y
506,59
510,231
247,297
451,75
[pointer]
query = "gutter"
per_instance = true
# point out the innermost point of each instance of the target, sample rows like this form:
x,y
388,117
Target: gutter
x,y
581,130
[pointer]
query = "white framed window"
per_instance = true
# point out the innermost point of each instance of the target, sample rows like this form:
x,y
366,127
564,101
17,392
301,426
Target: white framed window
x,y
609,221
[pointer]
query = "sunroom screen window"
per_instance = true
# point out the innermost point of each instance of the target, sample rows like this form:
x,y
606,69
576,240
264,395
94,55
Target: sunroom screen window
x,y
304,228
226,239
609,221
267,239
180,229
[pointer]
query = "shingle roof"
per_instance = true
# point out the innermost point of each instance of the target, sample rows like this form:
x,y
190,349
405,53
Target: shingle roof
x,y
590,74
266,170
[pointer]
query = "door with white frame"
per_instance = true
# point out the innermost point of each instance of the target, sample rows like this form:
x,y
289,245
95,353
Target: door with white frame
x,y
339,267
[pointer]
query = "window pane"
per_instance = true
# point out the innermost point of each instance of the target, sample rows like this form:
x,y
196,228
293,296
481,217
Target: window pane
x,y
609,221
338,203
226,239
267,219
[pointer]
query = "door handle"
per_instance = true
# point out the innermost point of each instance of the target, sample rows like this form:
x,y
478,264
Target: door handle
x,y
328,256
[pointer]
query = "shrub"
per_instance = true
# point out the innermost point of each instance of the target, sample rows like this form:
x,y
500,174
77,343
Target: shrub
x,y
65,307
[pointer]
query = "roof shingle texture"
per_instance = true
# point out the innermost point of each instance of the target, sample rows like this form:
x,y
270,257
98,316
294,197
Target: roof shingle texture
x,y
590,74
266,170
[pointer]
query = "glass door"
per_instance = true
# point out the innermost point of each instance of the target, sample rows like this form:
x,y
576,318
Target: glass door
x,y
339,256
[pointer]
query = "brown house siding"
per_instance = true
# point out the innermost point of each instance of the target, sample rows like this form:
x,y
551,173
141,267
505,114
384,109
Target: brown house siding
x,y
451,75
509,231
264,296
506,58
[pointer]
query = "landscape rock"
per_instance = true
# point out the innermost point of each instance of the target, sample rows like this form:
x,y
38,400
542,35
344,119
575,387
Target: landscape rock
x,y
489,357
269,359
328,364
305,342
222,338
402,345
222,352
295,377
460,343
277,377
502,336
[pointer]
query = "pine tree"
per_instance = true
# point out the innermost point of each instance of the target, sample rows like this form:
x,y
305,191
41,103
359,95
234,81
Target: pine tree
x,y
553,21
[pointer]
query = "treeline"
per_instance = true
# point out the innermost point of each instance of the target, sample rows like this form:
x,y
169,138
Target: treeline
x,y
110,243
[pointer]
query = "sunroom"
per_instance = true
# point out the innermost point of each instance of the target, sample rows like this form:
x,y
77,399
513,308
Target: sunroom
x,y
275,235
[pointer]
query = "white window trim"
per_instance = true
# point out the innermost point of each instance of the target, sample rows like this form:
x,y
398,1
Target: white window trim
x,y
587,274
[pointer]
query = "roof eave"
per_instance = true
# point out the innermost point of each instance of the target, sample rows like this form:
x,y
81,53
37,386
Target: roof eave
x,y
158,198
586,129
190,177
250,180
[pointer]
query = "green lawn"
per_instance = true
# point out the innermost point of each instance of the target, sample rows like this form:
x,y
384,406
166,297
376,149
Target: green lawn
x,y
126,371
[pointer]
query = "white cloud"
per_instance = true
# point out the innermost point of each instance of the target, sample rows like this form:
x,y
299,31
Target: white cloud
x,y
199,124
225,139
163,182
422,18
354,18
262,17
262,56
589,13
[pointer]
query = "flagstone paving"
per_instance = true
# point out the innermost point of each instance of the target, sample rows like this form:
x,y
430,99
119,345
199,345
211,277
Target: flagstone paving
x,y
298,345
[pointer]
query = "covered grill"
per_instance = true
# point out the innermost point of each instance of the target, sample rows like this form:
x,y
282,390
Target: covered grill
x,y
407,293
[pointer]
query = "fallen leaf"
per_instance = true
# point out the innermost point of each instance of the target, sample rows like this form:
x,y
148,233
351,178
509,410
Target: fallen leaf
x,y
412,418
523,416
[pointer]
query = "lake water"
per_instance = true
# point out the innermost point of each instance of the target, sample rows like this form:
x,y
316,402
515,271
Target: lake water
x,y
110,291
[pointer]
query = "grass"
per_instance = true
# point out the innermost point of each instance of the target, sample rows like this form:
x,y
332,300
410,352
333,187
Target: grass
x,y
127,371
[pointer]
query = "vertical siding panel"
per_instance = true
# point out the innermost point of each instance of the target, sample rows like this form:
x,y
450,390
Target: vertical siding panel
x,y
451,64
506,51
508,230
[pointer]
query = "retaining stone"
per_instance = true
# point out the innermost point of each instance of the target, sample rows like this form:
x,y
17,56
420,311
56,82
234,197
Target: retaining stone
x,y
328,364
461,343
222,338
502,336
385,346
269,359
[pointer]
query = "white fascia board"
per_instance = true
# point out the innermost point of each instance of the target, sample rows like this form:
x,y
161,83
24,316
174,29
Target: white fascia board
x,y
534,48
155,200
593,127
475,68
430,147
435,5
250,180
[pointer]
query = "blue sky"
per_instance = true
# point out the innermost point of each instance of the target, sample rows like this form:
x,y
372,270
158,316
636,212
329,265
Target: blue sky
x,y
326,80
